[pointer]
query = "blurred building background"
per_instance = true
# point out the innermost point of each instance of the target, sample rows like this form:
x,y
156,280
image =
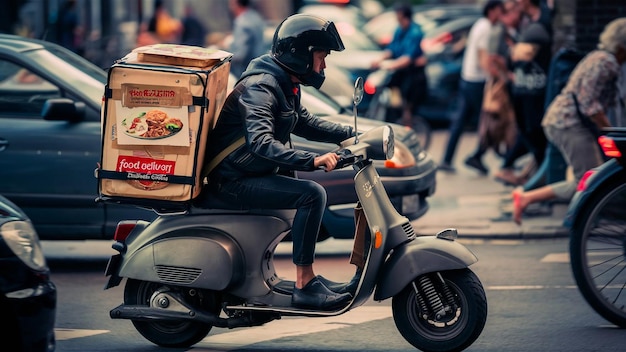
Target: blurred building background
x,y
110,27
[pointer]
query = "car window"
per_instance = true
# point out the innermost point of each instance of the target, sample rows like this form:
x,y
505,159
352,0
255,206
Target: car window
x,y
22,92
318,103
66,68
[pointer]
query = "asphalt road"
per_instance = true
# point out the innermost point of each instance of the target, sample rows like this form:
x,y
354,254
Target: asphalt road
x,y
533,302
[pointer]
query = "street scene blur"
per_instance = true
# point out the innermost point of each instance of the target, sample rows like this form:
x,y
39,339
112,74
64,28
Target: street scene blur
x,y
508,116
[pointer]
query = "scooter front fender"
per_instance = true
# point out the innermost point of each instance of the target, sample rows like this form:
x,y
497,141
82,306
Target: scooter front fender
x,y
425,254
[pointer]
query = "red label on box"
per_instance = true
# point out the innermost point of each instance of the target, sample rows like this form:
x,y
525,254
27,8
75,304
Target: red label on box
x,y
146,173
127,163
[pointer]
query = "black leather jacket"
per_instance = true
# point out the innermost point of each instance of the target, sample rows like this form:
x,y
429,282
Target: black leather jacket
x,y
265,107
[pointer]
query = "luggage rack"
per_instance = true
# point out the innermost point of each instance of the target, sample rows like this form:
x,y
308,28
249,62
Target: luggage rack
x,y
161,207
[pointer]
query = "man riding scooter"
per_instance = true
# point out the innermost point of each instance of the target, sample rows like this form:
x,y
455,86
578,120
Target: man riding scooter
x,y
249,151
406,59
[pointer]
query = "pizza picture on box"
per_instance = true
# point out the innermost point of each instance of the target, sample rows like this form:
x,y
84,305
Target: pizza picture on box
x,y
152,124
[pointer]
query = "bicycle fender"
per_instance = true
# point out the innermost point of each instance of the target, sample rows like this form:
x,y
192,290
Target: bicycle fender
x,y
580,199
423,255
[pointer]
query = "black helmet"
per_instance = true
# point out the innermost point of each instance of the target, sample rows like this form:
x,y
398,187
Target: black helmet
x,y
295,40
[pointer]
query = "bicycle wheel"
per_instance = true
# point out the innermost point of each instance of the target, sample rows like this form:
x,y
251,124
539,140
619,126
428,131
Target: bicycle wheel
x,y
598,251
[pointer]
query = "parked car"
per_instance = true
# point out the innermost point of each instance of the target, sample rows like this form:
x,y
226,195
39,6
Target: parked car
x,y
367,8
380,28
27,295
50,141
444,46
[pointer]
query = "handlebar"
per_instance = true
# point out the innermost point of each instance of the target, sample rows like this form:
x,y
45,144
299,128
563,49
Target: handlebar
x,y
345,158
375,144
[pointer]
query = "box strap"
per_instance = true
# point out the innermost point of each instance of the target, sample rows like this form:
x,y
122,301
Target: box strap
x,y
130,176
224,153
200,101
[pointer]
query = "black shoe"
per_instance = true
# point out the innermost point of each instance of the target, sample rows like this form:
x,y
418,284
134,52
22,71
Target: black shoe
x,y
477,164
315,295
341,287
446,167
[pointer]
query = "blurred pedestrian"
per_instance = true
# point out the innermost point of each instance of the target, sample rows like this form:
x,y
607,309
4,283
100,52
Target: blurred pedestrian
x,y
473,76
530,59
166,28
194,32
145,37
405,58
248,29
497,128
70,29
578,112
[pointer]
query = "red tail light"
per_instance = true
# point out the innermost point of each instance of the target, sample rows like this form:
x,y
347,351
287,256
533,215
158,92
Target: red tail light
x,y
369,87
443,38
609,147
582,184
124,228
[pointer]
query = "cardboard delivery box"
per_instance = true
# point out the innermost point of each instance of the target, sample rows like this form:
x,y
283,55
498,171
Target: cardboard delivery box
x,y
160,104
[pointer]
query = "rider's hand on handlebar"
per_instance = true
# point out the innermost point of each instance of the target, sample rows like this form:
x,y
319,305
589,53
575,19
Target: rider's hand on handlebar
x,y
328,161
387,65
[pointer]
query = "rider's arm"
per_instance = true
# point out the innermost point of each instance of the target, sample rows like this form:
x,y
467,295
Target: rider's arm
x,y
314,128
328,161
259,122
397,64
386,55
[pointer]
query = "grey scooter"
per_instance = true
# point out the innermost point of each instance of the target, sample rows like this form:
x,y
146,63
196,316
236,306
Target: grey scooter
x,y
184,270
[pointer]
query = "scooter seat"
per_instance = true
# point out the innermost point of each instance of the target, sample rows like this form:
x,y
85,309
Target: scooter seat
x,y
207,203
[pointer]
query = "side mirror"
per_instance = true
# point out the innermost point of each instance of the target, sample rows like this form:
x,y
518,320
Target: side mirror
x,y
357,97
63,109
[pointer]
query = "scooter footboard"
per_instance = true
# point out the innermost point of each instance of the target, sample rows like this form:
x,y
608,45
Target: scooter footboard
x,y
422,255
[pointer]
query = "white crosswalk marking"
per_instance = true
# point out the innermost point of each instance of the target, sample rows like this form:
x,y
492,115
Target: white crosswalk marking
x,y
556,258
68,334
290,326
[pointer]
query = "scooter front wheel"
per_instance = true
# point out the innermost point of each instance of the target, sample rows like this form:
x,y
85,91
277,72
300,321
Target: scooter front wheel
x,y
443,311
174,333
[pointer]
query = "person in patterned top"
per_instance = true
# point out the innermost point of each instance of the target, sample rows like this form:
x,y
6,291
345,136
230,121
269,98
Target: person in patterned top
x,y
592,90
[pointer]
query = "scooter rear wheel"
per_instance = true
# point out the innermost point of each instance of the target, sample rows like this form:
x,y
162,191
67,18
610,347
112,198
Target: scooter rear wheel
x,y
451,326
169,333
598,251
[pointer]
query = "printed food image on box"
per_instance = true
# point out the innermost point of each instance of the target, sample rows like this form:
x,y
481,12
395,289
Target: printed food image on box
x,y
162,126
148,115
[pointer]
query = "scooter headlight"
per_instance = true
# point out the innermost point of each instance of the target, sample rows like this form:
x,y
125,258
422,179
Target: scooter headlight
x,y
402,157
388,142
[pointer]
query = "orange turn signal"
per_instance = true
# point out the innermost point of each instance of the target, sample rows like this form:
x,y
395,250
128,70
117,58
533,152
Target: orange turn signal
x,y
378,239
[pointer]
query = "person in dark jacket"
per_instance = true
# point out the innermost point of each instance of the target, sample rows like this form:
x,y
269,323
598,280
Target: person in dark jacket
x,y
264,107
194,32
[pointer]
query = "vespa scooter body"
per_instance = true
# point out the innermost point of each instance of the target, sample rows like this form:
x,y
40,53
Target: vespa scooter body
x,y
207,249
182,270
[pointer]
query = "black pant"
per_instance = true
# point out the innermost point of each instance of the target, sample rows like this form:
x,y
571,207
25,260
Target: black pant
x,y
280,192
470,105
529,111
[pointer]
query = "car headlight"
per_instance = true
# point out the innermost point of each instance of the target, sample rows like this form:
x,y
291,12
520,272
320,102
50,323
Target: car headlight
x,y
22,238
402,157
